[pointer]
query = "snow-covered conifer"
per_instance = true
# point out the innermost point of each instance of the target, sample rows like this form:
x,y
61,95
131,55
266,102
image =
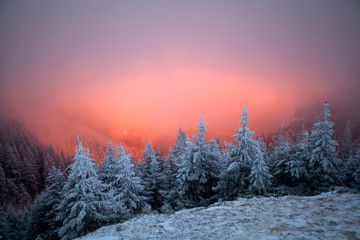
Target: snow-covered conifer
x,y
279,159
108,166
234,178
324,163
84,205
52,199
299,159
126,186
150,174
196,176
259,178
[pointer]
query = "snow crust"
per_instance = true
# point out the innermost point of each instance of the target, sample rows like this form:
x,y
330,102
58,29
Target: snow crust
x,y
326,216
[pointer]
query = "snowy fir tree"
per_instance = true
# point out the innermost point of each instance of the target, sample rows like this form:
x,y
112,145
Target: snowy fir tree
x,y
108,165
234,178
259,178
151,176
356,174
214,158
206,162
324,164
352,169
56,181
346,141
13,226
186,181
182,140
43,223
169,182
279,159
126,186
84,206
196,176
299,160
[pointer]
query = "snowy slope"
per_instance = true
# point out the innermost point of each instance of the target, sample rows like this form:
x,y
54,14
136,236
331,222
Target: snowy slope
x,y
326,216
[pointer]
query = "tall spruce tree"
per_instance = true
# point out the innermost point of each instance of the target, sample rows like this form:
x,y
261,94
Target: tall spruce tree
x,y
151,177
299,160
279,159
127,187
195,174
259,178
324,164
234,178
108,166
84,206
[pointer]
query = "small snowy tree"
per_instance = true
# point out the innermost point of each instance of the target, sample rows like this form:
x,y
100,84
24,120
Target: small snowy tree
x,y
127,187
187,181
352,169
52,200
108,166
196,176
84,206
259,178
151,177
299,159
234,178
356,174
346,142
324,163
279,159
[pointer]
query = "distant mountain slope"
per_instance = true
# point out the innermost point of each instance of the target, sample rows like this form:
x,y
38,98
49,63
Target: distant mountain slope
x,y
325,216
62,134
24,164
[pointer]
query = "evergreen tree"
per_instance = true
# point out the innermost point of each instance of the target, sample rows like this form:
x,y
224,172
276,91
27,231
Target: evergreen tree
x,y
108,166
279,159
324,163
42,223
127,187
180,146
353,168
259,178
150,174
214,157
187,178
299,156
196,176
14,228
84,206
52,199
346,141
234,178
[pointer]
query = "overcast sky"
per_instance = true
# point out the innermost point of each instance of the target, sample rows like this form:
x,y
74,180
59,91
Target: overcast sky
x,y
151,66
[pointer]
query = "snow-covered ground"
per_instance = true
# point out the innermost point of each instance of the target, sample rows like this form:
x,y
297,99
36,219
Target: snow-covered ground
x,y
326,216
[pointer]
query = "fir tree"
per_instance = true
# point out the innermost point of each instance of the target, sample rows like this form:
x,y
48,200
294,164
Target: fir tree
x,y
234,178
84,206
324,163
127,187
259,178
346,141
108,166
299,159
279,159
353,168
52,200
150,174
197,174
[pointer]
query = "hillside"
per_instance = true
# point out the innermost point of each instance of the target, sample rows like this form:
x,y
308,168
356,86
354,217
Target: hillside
x,y
326,216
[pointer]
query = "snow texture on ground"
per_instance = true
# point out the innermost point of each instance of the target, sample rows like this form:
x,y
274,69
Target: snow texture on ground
x,y
325,216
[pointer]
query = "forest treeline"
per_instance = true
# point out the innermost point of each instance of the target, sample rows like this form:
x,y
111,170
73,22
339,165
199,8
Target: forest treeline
x,y
196,172
24,164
